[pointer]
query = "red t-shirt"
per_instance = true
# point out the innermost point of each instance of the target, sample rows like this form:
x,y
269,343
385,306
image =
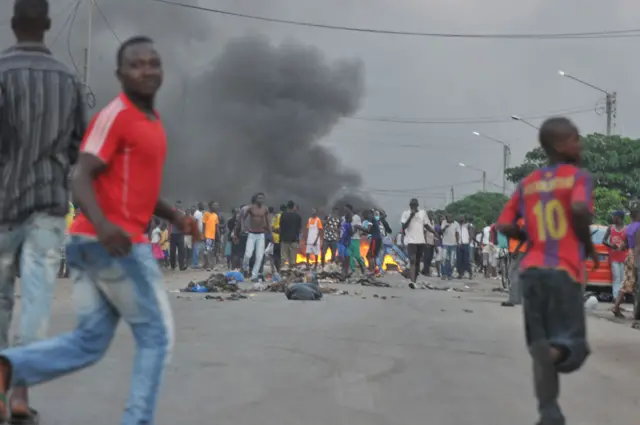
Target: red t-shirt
x,y
133,147
617,238
543,199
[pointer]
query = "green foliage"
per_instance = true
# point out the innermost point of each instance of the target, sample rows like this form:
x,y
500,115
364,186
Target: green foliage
x,y
614,163
480,208
605,202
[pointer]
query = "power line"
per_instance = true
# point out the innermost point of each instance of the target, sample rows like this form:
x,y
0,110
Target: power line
x,y
66,22
106,21
542,36
479,120
421,189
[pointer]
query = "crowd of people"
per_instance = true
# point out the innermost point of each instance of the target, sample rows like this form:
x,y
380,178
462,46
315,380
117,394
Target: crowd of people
x,y
452,247
255,234
118,161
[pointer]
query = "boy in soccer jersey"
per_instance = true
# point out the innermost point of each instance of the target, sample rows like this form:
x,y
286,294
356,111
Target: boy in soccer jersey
x,y
556,204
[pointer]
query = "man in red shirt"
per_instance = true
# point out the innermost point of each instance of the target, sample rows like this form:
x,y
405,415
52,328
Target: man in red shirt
x,y
556,204
117,184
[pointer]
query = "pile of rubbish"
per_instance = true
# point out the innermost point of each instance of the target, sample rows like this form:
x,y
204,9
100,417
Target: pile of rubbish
x,y
217,282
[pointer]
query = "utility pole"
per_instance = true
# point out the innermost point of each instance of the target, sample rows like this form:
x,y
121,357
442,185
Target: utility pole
x,y
87,50
453,196
611,109
484,181
506,153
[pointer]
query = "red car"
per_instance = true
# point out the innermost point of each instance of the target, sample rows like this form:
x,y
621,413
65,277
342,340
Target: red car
x,y
599,279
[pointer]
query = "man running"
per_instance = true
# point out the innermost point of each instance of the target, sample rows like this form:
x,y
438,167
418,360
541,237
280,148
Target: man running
x,y
42,123
117,184
556,203
258,217
415,223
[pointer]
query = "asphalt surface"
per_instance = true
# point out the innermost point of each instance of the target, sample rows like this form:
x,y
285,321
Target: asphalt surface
x,y
434,357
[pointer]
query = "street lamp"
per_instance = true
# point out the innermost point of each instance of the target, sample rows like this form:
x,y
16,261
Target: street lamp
x,y
610,99
522,120
506,154
484,174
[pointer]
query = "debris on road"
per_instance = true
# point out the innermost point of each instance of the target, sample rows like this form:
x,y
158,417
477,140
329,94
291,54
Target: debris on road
x,y
304,292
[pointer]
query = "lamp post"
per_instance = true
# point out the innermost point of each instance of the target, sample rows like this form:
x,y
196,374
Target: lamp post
x,y
484,174
522,120
610,100
506,154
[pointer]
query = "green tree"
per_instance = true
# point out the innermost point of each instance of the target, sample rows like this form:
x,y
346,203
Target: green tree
x,y
605,202
614,163
481,208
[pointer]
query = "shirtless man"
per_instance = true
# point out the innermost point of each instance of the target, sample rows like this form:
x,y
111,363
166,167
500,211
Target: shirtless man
x,y
257,214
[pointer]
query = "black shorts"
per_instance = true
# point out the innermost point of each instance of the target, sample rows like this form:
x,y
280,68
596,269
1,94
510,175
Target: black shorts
x,y
416,251
553,305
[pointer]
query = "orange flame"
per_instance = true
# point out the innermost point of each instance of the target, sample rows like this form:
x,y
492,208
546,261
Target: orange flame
x,y
388,263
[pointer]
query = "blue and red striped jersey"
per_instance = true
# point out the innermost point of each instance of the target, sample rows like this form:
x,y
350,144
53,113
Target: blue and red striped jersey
x,y
543,199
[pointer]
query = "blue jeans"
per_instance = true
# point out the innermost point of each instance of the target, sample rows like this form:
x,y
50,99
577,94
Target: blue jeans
x,y
617,274
35,246
107,289
196,253
255,243
464,259
447,264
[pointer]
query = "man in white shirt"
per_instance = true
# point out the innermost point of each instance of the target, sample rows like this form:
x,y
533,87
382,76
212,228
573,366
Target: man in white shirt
x,y
464,248
414,223
197,215
489,253
450,230
430,248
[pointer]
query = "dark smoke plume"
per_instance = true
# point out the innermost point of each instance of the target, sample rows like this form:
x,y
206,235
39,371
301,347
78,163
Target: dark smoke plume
x,y
253,122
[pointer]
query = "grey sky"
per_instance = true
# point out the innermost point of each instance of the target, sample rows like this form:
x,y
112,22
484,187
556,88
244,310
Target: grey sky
x,y
407,77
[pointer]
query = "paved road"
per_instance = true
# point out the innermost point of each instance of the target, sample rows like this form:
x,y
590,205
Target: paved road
x,y
435,357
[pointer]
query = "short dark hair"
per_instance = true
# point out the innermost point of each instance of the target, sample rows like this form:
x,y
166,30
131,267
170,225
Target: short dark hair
x,y
283,207
132,41
271,210
290,205
554,130
31,14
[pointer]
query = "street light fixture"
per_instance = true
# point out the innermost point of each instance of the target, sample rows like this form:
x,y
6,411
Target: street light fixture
x,y
484,174
610,99
506,154
522,120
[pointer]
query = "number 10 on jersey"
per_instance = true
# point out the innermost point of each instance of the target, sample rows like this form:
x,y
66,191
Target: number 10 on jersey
x,y
551,220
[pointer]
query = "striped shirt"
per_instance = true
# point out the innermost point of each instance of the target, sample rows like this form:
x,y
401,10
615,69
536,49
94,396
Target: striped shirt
x,y
42,121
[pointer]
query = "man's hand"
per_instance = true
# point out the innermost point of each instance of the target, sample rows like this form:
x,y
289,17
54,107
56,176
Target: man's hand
x,y
189,226
114,239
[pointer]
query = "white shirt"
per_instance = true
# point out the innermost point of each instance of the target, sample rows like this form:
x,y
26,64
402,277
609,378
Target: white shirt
x,y
198,217
449,234
155,235
486,239
414,233
356,221
464,234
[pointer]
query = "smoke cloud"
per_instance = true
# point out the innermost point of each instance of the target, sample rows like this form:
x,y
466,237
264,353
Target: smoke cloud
x,y
253,121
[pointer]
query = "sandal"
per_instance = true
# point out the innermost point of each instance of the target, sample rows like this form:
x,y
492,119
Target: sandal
x,y
31,418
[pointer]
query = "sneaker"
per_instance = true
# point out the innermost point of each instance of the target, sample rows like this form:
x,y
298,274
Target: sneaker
x,y
412,285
